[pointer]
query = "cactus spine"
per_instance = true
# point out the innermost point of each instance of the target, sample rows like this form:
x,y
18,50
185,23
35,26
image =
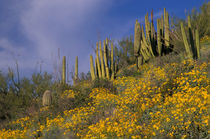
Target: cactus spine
x,y
105,59
186,44
92,72
64,70
102,60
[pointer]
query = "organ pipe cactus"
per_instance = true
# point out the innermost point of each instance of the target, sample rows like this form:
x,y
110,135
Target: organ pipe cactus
x,y
64,70
192,52
191,37
92,72
102,61
197,42
166,27
159,37
112,61
137,39
186,44
105,59
137,43
98,61
147,26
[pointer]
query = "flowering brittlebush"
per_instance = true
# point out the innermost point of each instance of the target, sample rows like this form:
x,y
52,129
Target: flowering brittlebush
x,y
165,102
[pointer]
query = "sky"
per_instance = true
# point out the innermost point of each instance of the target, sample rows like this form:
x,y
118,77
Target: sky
x,y
33,32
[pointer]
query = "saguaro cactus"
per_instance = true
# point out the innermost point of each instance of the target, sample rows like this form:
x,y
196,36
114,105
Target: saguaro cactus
x,y
92,72
47,98
64,70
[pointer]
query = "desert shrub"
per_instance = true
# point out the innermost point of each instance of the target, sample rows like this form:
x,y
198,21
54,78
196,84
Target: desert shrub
x,y
129,71
103,83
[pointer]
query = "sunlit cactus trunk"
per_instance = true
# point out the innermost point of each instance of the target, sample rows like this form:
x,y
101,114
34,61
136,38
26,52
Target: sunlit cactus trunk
x,y
159,37
102,61
147,26
96,70
137,43
166,27
186,44
92,72
105,59
197,42
112,61
64,70
98,61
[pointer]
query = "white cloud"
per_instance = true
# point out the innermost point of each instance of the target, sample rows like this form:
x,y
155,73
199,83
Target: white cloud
x,y
64,24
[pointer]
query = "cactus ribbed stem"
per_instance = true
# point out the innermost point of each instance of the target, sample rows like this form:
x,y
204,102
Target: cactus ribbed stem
x,y
64,70
159,37
96,70
92,72
191,37
98,61
166,24
147,26
197,42
137,39
187,46
146,44
112,61
102,60
106,60
162,25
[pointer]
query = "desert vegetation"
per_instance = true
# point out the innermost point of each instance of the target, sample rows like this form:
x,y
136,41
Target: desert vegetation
x,y
152,84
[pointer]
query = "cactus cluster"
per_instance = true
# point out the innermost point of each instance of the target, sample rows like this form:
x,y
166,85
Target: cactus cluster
x,y
104,66
193,47
150,43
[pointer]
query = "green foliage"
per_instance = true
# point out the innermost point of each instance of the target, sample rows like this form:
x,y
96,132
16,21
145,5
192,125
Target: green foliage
x,y
124,53
103,83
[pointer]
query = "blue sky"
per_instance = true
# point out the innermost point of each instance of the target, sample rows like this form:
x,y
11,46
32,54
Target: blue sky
x,y
32,31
